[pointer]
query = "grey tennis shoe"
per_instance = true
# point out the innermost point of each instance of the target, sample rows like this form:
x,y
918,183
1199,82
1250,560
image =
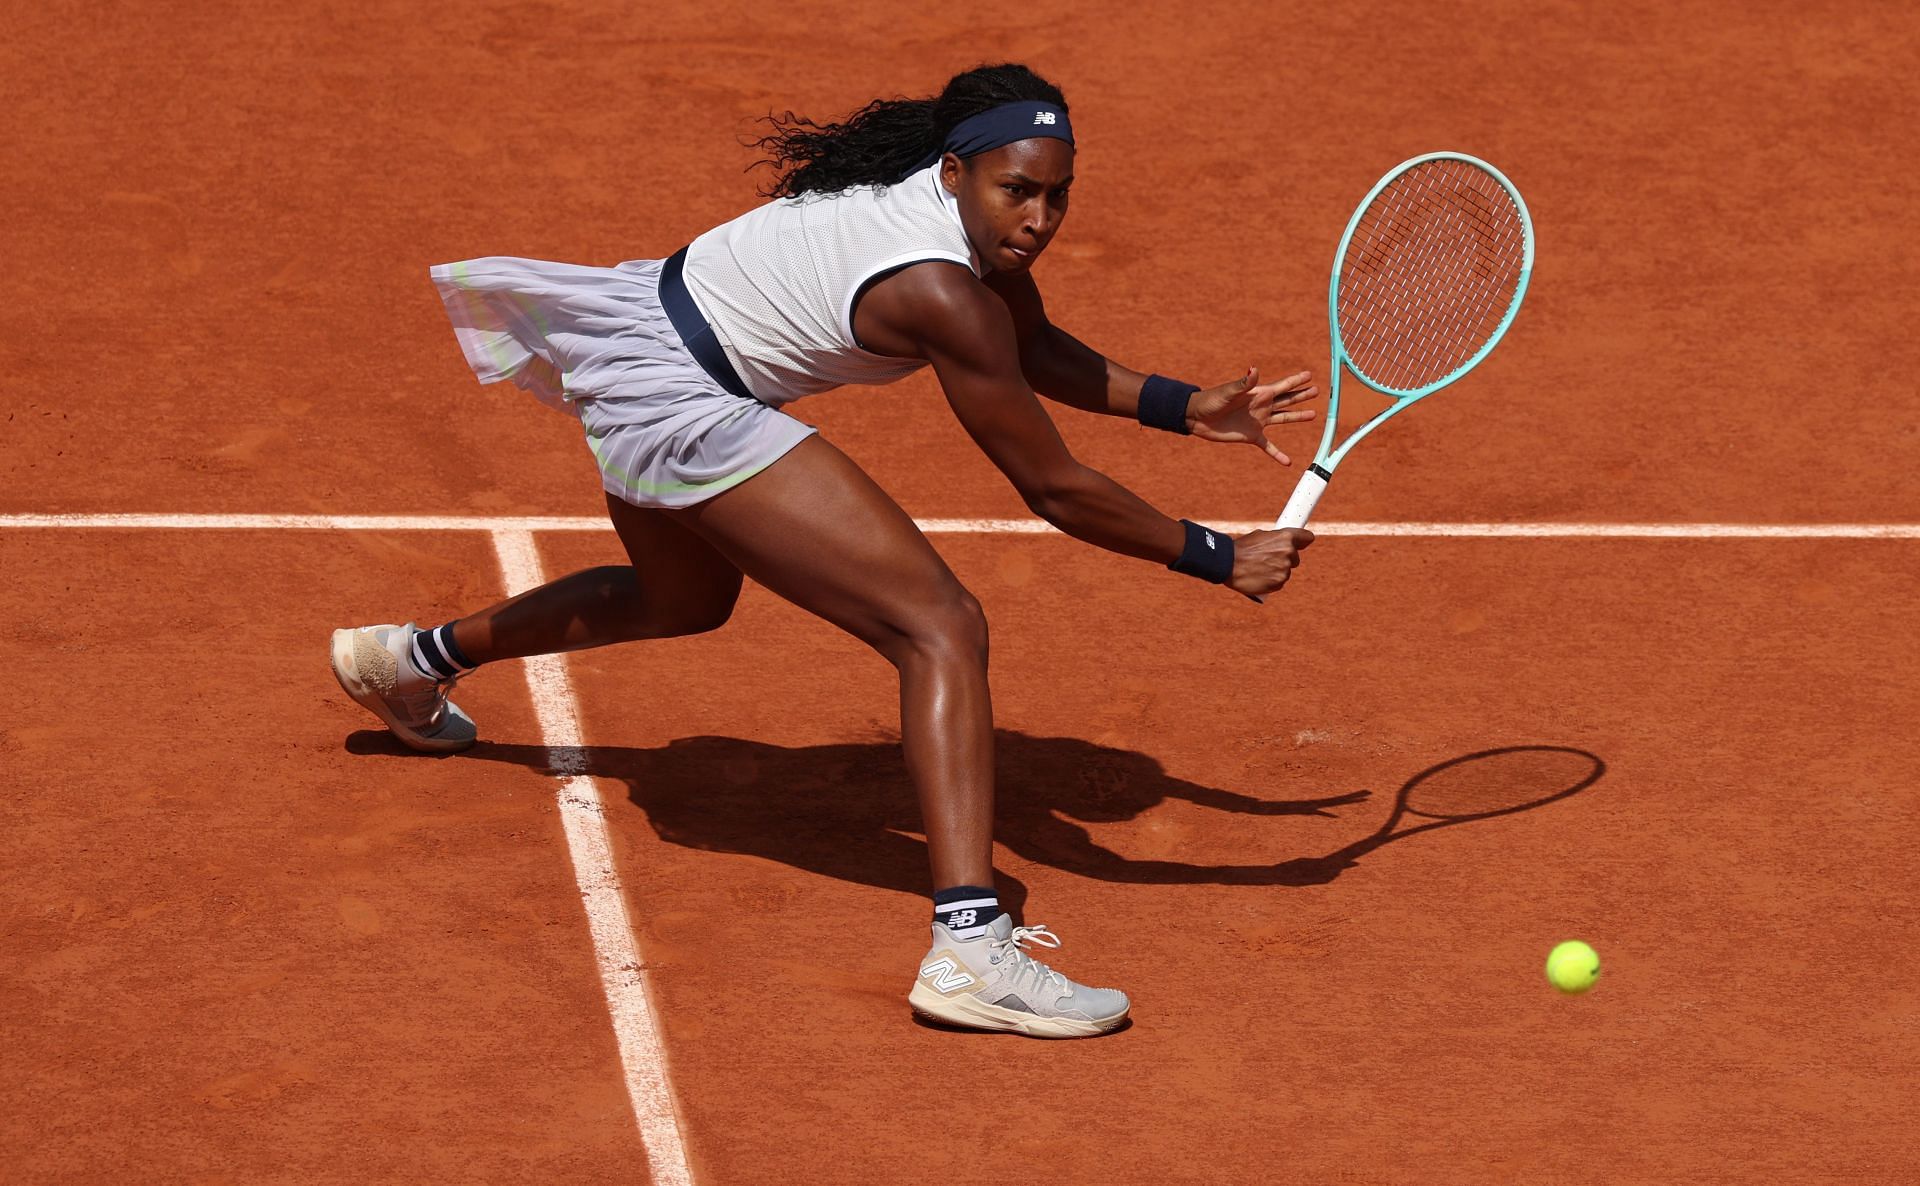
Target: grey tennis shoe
x,y
372,665
991,983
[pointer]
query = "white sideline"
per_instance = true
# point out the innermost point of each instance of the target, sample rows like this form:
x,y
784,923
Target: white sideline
x,y
642,1056
535,523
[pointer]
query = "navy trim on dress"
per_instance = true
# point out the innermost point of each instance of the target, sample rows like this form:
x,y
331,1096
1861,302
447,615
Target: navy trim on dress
x,y
853,306
692,327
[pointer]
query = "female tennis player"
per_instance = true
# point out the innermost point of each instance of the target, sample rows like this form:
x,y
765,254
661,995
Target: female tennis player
x,y
902,237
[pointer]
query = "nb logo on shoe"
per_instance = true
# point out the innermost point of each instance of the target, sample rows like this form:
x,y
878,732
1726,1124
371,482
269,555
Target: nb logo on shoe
x,y
946,975
1044,117
961,918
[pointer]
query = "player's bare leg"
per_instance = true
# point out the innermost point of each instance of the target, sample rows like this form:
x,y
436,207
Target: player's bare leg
x,y
687,588
404,675
815,529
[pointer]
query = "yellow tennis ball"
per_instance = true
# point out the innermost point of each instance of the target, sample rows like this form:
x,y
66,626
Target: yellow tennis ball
x,y
1572,967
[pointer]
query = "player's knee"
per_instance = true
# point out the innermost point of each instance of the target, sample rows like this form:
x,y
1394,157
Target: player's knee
x,y
711,609
955,625
614,589
693,604
947,626
634,607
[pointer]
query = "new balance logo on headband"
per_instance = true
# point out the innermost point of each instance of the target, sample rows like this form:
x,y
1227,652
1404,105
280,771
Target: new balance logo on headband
x,y
1043,117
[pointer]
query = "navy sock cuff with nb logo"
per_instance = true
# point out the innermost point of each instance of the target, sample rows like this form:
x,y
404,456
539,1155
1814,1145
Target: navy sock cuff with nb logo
x,y
436,654
966,910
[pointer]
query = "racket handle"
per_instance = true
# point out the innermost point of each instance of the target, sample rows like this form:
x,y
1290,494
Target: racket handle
x,y
1305,495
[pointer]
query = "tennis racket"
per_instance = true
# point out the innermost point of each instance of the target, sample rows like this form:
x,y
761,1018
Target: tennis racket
x,y
1427,278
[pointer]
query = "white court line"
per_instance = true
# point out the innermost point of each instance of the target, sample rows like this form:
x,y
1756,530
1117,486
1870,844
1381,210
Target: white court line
x,y
642,1055
533,523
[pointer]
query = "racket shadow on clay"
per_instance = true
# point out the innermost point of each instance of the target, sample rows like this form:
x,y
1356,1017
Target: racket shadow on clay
x,y
1463,790
847,810
1471,788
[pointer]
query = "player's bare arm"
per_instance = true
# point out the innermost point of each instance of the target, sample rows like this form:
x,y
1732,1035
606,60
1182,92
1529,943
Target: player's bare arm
x,y
946,316
1066,370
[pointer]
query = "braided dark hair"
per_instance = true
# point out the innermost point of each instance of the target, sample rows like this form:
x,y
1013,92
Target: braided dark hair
x,y
883,141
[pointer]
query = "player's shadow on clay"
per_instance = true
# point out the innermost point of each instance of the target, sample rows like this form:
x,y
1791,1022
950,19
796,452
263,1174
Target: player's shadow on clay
x,y
848,810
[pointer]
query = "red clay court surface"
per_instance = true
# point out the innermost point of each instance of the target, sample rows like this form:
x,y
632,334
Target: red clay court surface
x,y
248,939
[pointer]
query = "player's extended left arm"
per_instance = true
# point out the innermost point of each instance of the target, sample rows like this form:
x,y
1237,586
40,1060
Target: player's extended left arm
x,y
1066,370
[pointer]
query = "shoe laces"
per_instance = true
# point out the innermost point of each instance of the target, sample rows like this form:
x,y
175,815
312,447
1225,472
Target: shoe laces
x,y
424,707
1025,970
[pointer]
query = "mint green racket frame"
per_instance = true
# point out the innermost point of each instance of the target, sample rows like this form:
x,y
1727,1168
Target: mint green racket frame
x,y
1312,483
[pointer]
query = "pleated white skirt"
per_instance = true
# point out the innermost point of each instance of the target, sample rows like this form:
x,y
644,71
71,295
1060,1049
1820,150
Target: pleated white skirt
x,y
595,343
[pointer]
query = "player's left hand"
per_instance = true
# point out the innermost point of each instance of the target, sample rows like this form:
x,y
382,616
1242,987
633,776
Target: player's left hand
x,y
1239,412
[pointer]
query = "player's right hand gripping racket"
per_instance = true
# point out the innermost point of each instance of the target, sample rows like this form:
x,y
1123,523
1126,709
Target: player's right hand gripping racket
x,y
1427,279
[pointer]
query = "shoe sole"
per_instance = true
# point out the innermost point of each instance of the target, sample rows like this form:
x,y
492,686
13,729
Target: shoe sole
x,y
968,1011
373,702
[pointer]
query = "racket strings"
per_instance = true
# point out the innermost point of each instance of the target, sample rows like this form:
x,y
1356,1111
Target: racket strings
x,y
1426,310
1429,273
1426,257
1415,248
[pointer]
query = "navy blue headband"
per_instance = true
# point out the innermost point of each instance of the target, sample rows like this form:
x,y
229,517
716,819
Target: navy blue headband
x,y
999,126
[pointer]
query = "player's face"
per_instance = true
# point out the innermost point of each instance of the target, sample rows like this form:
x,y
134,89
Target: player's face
x,y
1012,200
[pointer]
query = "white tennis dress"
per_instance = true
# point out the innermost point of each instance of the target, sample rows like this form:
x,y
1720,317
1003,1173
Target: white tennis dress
x,y
776,286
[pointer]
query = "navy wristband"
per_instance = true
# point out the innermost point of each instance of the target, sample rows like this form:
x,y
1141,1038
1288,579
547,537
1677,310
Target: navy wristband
x,y
1208,554
1163,403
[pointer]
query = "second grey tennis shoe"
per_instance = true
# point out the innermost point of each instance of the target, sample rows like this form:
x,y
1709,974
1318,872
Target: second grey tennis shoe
x,y
991,983
372,666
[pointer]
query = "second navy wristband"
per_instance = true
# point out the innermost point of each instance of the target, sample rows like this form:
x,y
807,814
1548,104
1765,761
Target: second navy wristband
x,y
1207,554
